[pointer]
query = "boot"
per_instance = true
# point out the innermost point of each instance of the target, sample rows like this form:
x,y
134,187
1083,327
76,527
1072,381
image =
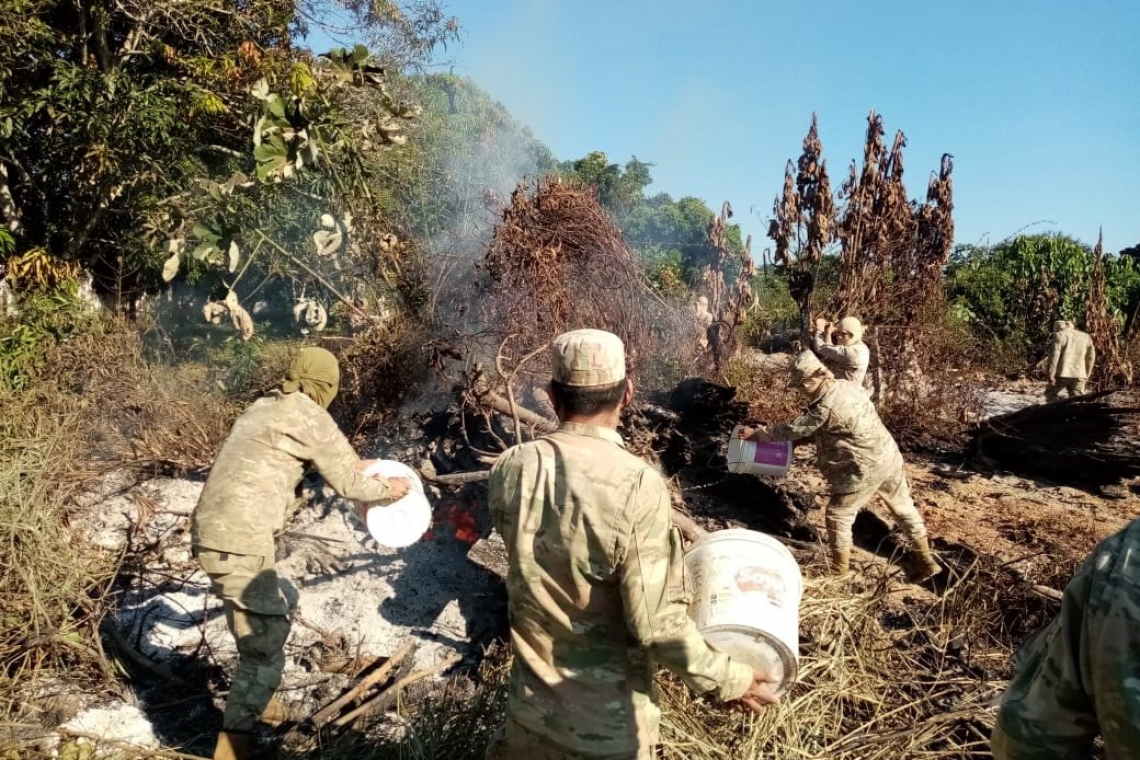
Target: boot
x,y
840,560
923,566
233,746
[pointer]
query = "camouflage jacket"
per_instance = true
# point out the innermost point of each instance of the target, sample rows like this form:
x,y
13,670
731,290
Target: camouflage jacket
x,y
1079,677
845,362
597,592
1073,355
854,450
252,483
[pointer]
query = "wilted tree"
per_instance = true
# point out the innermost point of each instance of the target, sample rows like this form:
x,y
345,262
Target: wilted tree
x,y
804,223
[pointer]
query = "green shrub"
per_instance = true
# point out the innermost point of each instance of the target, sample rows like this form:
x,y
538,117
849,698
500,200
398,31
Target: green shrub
x,y
45,320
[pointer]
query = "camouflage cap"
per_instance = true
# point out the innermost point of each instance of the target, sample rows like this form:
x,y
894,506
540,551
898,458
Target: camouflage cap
x,y
805,365
588,357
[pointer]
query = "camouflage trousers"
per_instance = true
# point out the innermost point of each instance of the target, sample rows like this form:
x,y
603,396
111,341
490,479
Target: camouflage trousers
x,y
842,509
514,742
1074,385
257,615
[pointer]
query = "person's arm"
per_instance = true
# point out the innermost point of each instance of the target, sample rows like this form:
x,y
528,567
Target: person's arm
x,y
1055,360
848,357
1046,712
336,461
804,426
499,495
656,598
1090,358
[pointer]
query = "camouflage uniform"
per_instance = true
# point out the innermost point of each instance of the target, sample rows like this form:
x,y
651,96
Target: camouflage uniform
x,y
858,457
1079,677
1071,362
848,361
243,504
597,591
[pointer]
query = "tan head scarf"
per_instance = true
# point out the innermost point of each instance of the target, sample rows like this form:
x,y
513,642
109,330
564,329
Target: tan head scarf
x,y
315,373
853,327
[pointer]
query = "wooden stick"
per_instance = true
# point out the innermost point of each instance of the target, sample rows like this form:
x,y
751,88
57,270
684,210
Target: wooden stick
x,y
383,699
500,405
124,648
322,716
459,478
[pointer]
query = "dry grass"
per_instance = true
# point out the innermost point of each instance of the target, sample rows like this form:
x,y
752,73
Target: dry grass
x,y
882,676
886,672
99,406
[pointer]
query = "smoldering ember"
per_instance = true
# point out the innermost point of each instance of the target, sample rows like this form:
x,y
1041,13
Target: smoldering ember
x,y
154,291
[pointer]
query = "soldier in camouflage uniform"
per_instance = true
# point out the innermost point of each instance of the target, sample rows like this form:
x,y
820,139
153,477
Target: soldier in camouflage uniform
x,y
1071,361
1079,677
596,580
842,350
858,457
245,502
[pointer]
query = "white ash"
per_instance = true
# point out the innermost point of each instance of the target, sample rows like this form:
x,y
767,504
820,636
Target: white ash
x,y
114,722
340,584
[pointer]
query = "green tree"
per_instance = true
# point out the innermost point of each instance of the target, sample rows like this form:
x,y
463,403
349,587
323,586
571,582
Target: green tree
x,y
125,127
1015,290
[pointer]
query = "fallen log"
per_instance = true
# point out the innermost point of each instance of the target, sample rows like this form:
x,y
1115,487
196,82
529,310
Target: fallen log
x,y
1088,441
499,404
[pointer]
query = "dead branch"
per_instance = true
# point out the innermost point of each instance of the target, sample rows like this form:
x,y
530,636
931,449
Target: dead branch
x,y
326,713
108,628
688,526
382,700
499,404
459,478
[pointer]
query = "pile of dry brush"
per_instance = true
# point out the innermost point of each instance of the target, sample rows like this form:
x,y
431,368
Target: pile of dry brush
x,y
557,262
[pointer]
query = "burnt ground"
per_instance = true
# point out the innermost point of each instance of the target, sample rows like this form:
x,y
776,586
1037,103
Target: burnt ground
x,y
993,531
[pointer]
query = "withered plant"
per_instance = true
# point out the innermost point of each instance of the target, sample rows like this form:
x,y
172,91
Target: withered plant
x,y
728,305
893,249
1112,366
557,262
804,222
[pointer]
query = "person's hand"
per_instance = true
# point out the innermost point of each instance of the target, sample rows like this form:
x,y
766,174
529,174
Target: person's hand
x,y
821,324
829,328
398,488
761,693
745,433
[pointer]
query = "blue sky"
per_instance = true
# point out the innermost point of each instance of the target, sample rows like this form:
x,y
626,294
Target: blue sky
x,y
1039,102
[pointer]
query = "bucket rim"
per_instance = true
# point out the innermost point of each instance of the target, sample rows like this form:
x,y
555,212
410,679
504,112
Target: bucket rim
x,y
788,658
741,534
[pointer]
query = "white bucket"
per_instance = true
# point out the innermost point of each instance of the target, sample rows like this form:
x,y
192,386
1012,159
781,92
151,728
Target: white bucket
x,y
404,521
747,600
755,458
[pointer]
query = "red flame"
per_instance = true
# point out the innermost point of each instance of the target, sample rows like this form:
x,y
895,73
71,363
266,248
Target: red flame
x,y
457,519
